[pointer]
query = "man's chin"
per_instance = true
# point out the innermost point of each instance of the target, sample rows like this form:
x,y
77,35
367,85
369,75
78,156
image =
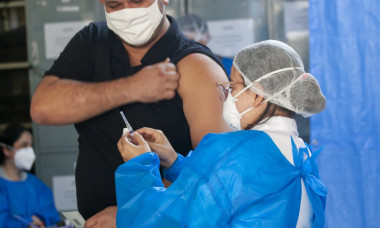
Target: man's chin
x,y
140,45
152,39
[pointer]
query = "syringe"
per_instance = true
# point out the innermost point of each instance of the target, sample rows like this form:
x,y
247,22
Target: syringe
x,y
129,128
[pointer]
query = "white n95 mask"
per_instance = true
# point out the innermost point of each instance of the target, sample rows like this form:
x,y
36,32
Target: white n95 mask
x,y
24,158
135,25
230,112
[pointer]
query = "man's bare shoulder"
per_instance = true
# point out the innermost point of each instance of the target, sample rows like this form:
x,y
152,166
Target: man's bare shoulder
x,y
198,65
199,59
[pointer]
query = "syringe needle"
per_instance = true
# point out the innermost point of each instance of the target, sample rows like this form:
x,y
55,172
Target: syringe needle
x,y
126,122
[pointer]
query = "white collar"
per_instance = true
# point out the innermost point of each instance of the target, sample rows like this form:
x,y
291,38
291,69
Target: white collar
x,y
278,124
23,174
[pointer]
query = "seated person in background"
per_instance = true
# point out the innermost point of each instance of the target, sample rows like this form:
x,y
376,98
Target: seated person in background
x,y
262,176
24,198
195,28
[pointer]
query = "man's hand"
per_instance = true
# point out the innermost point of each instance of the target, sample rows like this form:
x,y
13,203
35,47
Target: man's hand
x,y
64,101
160,145
156,82
104,219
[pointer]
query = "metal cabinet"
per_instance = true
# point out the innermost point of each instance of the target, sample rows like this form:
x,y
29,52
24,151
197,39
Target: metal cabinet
x,y
14,85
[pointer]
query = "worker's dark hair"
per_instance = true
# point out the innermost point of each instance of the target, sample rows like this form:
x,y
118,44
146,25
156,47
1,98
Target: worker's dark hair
x,y
268,113
9,136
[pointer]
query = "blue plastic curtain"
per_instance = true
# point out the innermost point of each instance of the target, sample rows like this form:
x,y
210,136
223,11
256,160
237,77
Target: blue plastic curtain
x,y
345,58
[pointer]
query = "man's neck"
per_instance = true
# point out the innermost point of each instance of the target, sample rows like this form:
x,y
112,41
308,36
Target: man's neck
x,y
136,54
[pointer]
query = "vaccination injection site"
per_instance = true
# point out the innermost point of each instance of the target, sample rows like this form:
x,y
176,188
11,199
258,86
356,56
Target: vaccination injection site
x,y
189,113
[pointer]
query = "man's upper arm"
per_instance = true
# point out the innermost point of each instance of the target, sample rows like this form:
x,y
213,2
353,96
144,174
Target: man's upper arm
x,y
49,97
197,88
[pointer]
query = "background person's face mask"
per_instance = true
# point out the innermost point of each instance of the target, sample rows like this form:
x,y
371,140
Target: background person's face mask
x,y
135,25
24,158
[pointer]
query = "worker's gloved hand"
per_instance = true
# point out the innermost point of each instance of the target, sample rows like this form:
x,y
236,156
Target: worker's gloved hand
x,y
37,222
159,144
132,145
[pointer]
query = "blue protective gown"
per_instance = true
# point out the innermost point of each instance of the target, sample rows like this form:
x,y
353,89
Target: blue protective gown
x,y
26,198
227,63
236,179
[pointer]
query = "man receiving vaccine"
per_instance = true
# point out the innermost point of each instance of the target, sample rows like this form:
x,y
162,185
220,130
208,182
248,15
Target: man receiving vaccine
x,y
139,63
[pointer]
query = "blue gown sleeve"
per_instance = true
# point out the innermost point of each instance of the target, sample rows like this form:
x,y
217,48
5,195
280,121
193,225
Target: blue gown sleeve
x,y
143,201
6,219
172,173
227,63
46,210
3,206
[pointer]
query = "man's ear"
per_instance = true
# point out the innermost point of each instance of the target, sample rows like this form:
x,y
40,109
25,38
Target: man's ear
x,y
101,1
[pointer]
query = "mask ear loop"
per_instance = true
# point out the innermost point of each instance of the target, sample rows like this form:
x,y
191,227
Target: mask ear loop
x,y
284,89
265,76
243,113
4,145
242,91
235,99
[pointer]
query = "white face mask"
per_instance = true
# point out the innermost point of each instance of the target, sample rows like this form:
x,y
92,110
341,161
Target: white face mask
x,y
135,25
230,112
24,158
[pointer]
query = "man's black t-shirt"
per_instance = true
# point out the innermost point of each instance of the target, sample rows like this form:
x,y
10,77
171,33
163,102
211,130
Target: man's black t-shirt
x,y
96,54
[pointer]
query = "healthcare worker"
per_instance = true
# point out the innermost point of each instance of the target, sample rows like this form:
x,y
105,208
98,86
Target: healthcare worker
x,y
25,200
262,176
